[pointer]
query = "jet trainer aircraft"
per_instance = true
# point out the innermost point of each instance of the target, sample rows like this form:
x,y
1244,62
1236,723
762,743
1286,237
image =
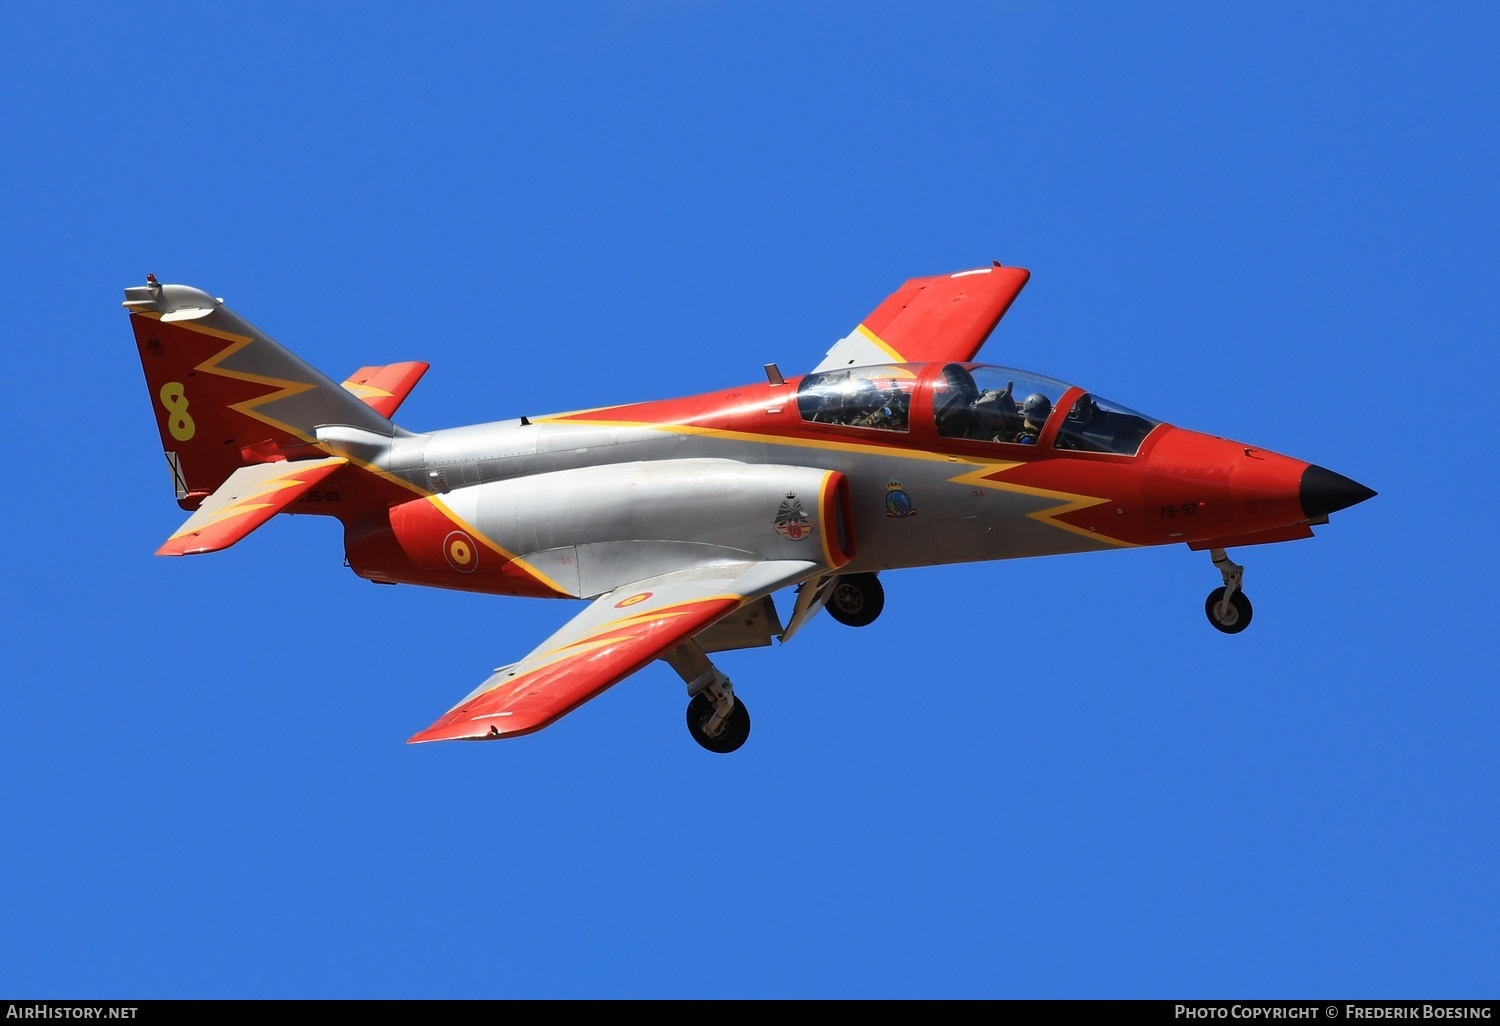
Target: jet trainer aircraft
x,y
677,520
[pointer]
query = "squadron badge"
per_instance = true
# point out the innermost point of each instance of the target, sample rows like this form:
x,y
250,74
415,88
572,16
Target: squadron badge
x,y
897,502
791,519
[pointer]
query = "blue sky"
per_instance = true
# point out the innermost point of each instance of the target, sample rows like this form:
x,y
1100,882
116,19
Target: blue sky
x,y
1050,778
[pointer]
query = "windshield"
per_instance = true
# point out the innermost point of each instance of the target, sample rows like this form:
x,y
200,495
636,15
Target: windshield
x,y
1098,425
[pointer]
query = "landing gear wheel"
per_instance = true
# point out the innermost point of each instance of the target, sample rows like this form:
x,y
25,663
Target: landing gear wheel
x,y
856,600
1233,619
736,728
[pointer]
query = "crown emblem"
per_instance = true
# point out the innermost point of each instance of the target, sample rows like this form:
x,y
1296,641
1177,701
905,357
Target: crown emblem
x,y
897,502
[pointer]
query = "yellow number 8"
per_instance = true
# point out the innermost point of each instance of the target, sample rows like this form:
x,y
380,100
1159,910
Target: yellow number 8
x,y
176,404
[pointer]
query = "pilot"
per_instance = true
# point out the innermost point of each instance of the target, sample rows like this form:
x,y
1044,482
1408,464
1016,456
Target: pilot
x,y
854,398
899,405
995,414
1034,413
887,410
866,406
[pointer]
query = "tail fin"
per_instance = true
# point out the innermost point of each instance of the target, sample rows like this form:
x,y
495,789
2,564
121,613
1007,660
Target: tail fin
x,y
227,395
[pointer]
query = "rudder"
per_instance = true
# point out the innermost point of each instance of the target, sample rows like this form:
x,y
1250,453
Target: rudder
x,y
227,395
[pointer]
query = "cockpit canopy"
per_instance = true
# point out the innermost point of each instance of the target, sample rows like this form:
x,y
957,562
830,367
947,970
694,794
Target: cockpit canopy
x,y
872,397
994,404
976,402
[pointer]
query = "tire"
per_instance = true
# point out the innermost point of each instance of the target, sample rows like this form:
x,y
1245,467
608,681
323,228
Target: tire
x,y
856,600
701,709
1238,616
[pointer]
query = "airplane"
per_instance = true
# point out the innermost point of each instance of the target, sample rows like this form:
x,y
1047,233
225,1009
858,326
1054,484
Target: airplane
x,y
677,520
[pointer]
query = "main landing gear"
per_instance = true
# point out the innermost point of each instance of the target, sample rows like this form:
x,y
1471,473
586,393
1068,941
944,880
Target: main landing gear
x,y
1228,608
715,717
856,600
711,727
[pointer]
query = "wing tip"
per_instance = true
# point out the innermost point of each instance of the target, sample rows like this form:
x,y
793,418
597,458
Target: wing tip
x,y
447,730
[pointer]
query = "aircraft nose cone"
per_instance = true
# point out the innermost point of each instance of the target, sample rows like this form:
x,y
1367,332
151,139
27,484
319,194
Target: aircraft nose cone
x,y
1324,492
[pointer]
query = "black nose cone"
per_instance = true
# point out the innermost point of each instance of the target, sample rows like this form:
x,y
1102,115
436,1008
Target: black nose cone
x,y
1324,492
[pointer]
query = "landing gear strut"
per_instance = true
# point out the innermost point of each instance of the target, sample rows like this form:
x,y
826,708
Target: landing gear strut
x,y
856,600
1228,608
715,717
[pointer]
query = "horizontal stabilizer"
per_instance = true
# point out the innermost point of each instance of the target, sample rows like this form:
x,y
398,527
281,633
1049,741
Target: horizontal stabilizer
x,y
251,496
385,388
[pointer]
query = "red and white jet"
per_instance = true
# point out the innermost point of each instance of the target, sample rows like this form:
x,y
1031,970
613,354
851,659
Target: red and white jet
x,y
677,520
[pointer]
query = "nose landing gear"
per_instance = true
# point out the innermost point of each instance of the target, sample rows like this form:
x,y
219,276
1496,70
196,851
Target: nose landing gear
x,y
1228,608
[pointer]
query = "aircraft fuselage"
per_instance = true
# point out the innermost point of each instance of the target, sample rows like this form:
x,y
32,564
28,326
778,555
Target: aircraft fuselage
x,y
529,524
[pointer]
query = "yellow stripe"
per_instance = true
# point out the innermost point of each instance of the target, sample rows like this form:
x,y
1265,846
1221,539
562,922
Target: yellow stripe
x,y
365,391
284,389
639,619
879,343
1067,502
246,503
364,465
593,641
978,476
753,436
502,551
238,342
227,514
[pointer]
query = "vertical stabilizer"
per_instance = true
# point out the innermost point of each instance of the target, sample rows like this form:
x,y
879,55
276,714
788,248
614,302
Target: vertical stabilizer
x,y
227,395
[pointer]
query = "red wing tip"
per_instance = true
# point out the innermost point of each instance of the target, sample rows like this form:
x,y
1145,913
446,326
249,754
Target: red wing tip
x,y
455,732
433,734
174,550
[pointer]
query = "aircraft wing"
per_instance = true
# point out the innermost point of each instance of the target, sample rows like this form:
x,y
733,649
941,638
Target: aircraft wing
x,y
944,319
618,633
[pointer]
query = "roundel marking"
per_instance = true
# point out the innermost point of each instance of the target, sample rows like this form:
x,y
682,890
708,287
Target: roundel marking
x,y
461,552
633,600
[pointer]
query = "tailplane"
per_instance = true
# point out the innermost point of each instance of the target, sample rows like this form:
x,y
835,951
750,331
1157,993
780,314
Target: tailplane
x,y
226,395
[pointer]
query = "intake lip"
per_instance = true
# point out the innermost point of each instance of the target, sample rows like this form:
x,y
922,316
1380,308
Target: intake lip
x,y
1323,492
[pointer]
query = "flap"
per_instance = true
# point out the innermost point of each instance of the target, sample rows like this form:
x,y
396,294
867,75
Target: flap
x,y
247,498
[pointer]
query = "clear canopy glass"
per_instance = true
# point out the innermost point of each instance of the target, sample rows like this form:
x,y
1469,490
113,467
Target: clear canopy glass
x,y
1015,407
994,404
978,402
869,397
1098,425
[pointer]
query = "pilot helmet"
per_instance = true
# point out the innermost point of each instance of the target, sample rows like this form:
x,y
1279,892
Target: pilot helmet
x,y
1036,408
